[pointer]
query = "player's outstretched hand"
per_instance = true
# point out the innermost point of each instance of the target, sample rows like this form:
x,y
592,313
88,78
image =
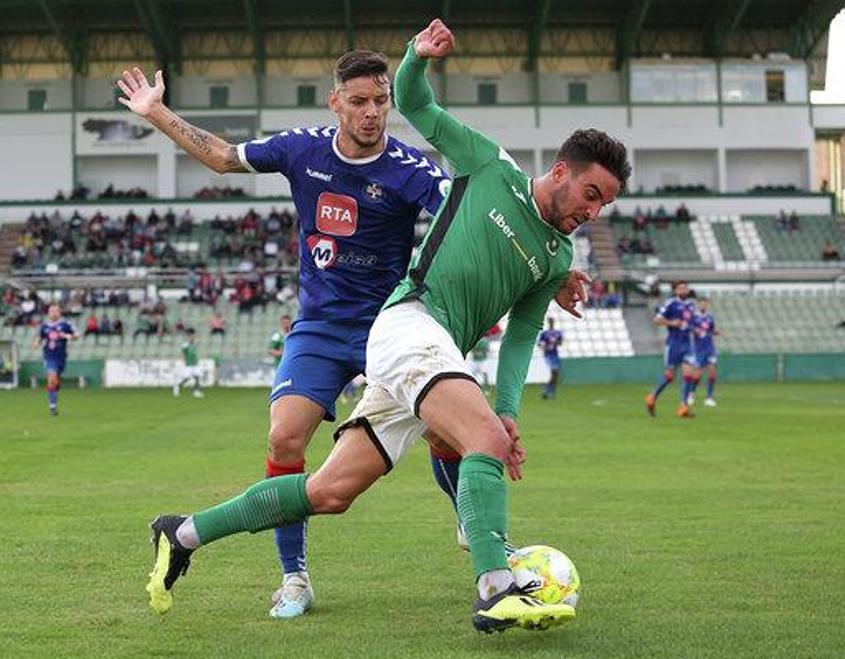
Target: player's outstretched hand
x,y
141,98
516,456
436,40
574,290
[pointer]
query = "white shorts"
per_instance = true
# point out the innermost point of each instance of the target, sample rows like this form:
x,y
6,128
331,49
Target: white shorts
x,y
407,353
191,372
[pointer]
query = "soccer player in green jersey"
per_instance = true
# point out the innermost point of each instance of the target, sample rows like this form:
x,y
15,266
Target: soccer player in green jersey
x,y
500,243
192,370
276,347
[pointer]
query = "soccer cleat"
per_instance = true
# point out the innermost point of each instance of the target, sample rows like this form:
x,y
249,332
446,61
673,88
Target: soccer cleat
x,y
650,403
516,608
175,389
710,402
685,412
198,394
294,598
171,561
54,411
691,399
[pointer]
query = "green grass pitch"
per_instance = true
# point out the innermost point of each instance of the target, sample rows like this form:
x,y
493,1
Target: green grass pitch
x,y
715,537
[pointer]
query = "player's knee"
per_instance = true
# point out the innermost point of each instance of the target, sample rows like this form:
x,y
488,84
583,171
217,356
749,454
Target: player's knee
x,y
285,444
492,440
330,500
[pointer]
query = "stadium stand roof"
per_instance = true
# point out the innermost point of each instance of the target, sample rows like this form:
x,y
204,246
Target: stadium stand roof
x,y
617,29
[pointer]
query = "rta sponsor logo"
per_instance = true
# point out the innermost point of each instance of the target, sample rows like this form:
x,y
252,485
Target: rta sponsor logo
x,y
499,221
323,250
337,214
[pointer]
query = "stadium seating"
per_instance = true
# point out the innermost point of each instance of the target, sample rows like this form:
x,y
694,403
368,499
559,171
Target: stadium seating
x,y
672,244
780,322
802,245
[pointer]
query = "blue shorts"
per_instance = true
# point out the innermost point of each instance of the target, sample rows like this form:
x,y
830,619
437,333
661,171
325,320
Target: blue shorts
x,y
552,361
674,356
54,365
705,357
319,359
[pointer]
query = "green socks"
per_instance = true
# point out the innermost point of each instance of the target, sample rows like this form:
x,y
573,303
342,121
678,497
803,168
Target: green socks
x,y
482,507
267,504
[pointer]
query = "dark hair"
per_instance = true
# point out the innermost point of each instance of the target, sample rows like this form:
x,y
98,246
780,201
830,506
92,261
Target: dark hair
x,y
678,282
190,331
358,63
585,147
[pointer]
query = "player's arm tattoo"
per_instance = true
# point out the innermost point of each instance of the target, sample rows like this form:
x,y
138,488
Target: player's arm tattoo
x,y
196,136
233,160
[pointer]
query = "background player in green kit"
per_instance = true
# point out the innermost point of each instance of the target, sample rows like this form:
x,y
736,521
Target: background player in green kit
x,y
500,243
276,347
191,360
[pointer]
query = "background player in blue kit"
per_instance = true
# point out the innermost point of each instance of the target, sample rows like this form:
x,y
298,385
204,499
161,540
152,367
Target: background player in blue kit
x,y
550,340
53,335
358,193
676,314
704,329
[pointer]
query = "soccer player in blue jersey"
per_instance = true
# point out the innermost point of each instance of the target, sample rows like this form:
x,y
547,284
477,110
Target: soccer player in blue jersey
x,y
53,335
358,192
550,340
676,315
704,329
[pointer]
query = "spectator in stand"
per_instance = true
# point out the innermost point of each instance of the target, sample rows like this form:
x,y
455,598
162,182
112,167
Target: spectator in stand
x,y
682,213
794,222
192,284
640,220
91,326
597,293
186,223
624,245
217,324
646,247
783,221
117,328
105,328
829,252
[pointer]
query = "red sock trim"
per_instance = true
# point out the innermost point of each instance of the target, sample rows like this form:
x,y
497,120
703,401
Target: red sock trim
x,y
688,378
447,455
274,468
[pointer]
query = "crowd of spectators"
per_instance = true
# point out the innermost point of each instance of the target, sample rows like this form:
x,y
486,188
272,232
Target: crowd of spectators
x,y
110,192
789,222
107,240
219,192
659,219
604,295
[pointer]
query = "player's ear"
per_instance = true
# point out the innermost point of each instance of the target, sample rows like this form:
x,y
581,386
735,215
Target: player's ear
x,y
560,171
333,100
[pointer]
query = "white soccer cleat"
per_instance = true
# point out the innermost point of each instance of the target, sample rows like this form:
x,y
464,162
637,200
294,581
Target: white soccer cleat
x,y
691,399
294,598
198,394
175,389
710,402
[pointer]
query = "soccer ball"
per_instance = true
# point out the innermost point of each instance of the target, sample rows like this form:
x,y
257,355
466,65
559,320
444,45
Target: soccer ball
x,y
547,573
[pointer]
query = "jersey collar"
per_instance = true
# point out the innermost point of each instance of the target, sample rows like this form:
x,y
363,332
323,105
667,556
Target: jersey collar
x,y
357,161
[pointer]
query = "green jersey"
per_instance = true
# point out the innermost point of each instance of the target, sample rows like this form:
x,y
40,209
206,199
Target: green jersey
x,y
277,342
488,250
189,353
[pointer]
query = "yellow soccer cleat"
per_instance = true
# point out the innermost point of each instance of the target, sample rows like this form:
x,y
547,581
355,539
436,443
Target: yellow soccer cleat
x,y
171,561
515,608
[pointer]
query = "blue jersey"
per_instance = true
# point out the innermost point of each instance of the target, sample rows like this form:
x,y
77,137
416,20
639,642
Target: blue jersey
x,y
549,341
703,327
677,309
356,217
53,346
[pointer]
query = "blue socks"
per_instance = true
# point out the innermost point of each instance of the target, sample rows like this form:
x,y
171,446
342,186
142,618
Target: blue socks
x,y
445,469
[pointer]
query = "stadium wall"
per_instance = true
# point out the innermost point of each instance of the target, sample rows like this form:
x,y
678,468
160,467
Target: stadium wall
x,y
49,146
575,371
